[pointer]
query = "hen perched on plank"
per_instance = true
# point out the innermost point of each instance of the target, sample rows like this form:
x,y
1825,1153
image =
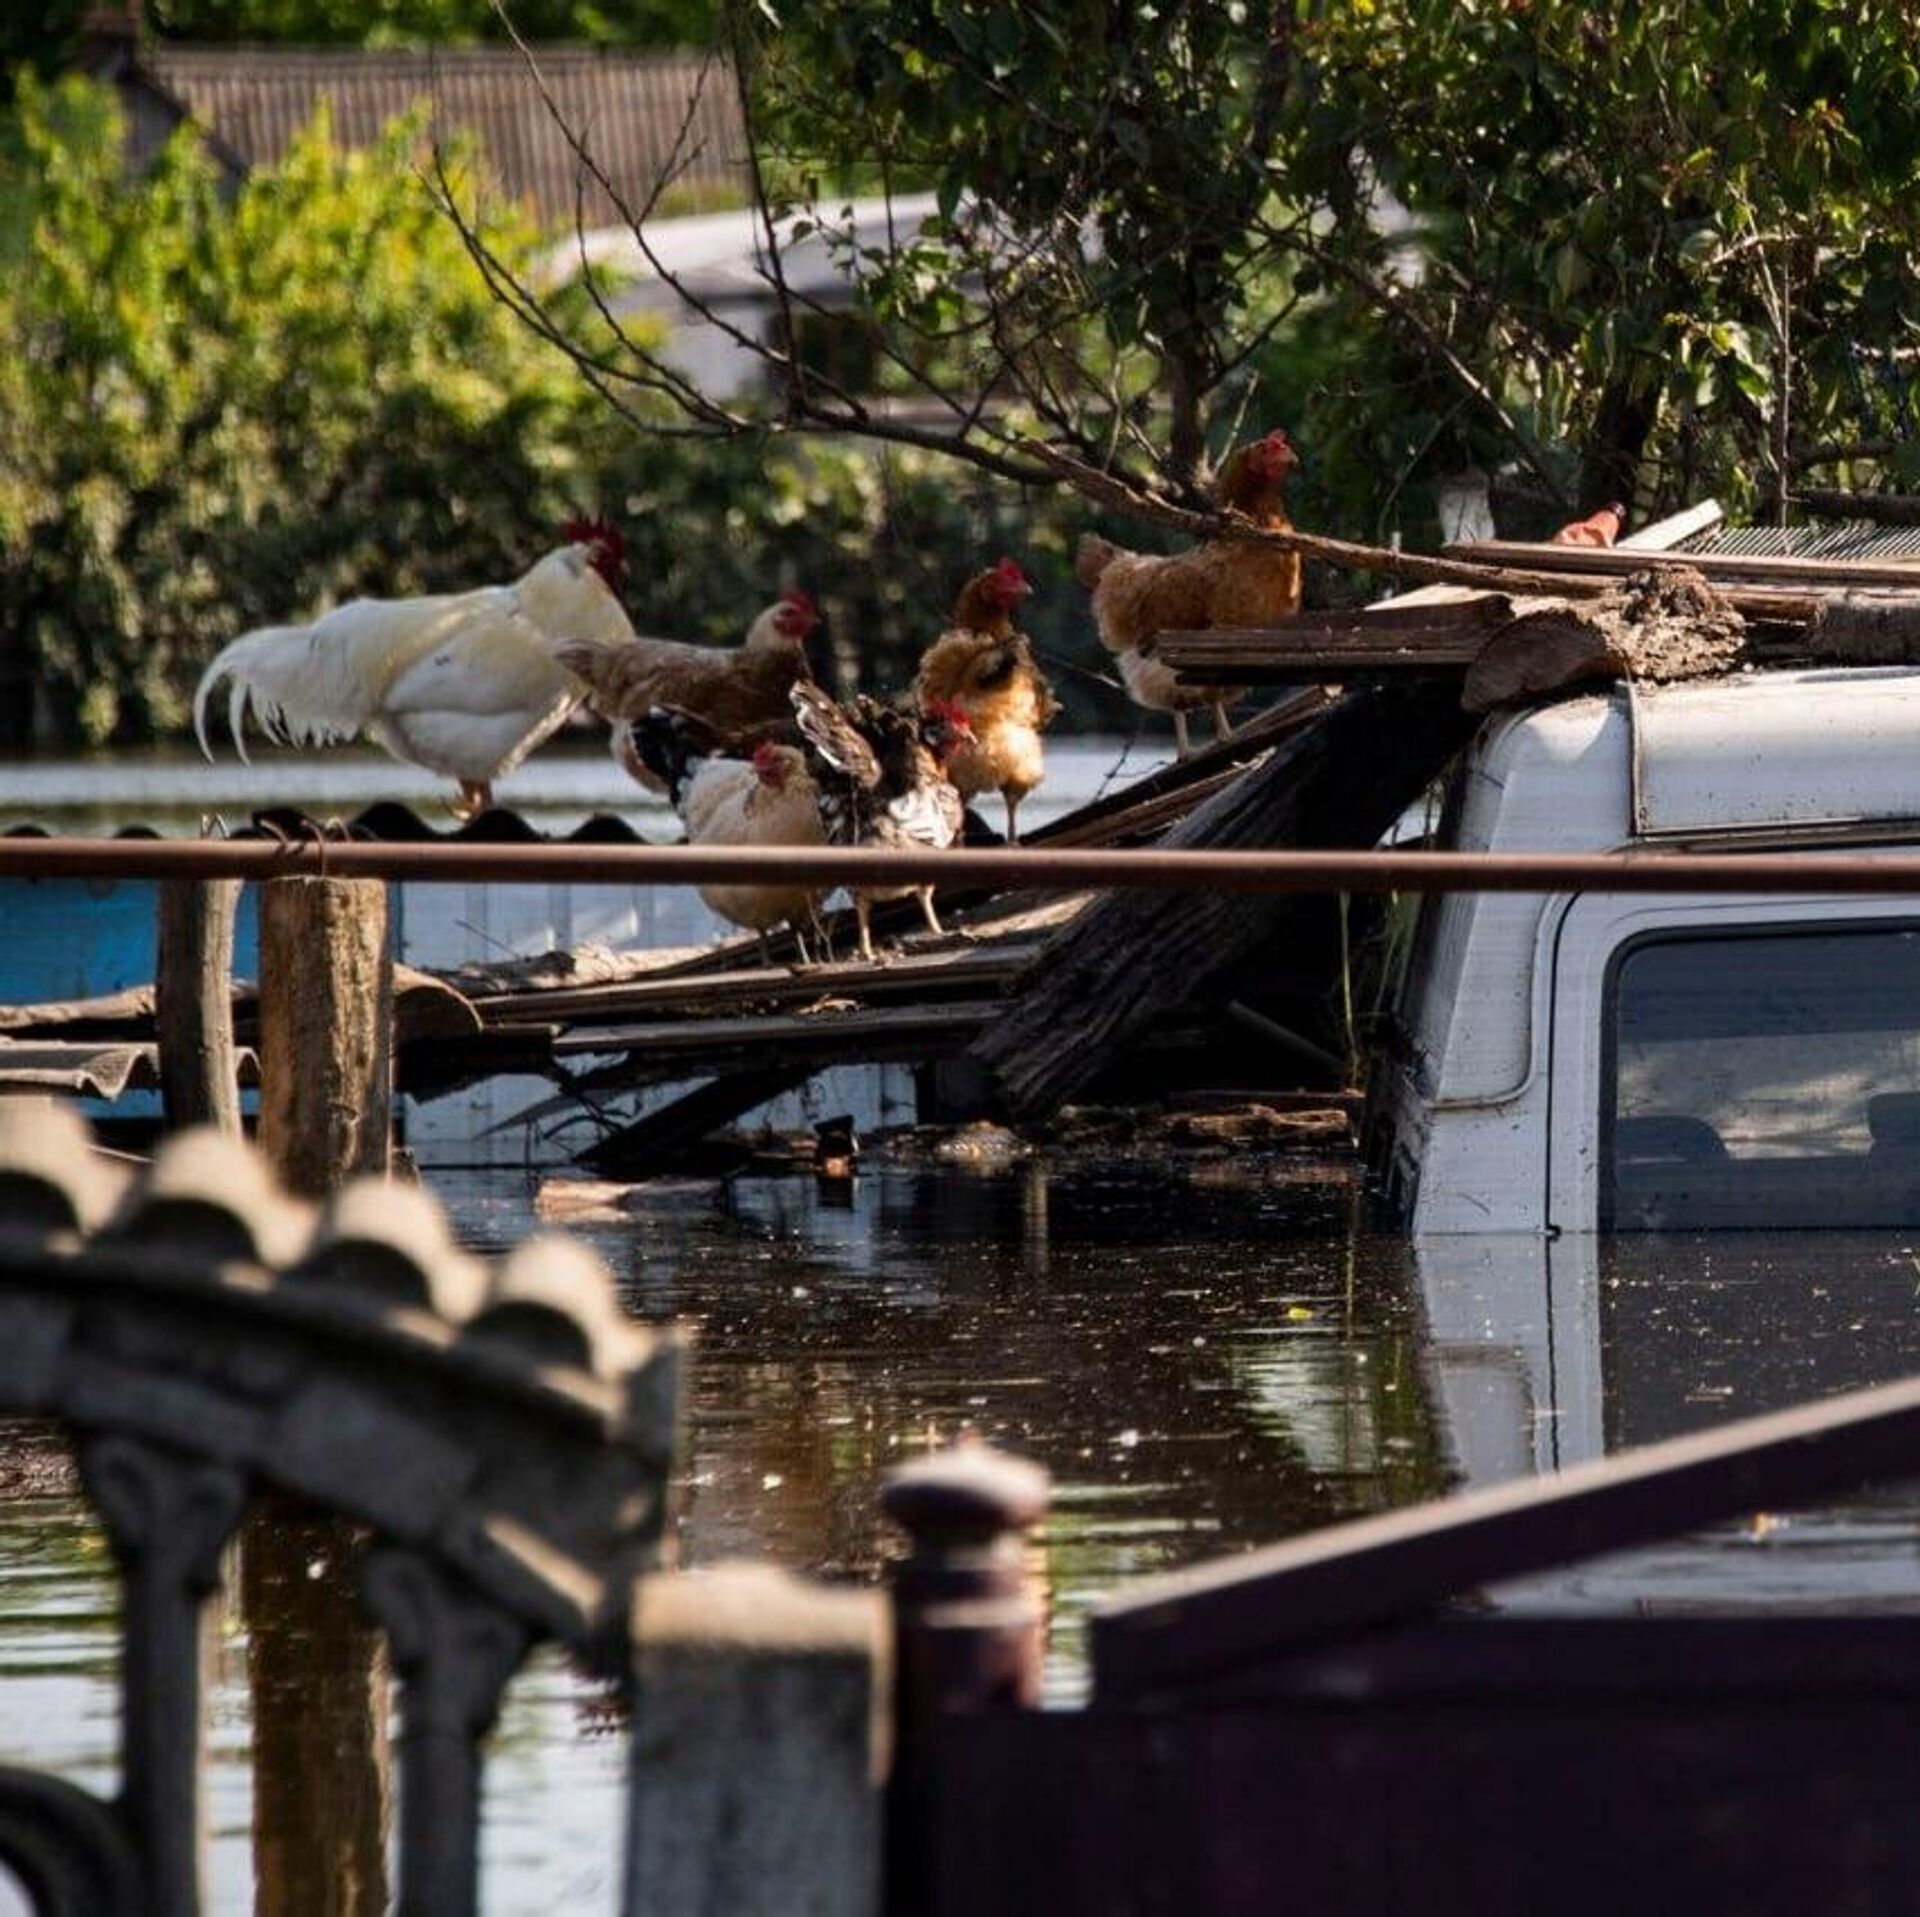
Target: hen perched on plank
x,y
1226,581
982,665
765,799
881,779
734,690
465,684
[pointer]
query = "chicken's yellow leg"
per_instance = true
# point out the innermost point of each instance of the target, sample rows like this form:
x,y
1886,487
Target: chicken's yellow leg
x,y
925,896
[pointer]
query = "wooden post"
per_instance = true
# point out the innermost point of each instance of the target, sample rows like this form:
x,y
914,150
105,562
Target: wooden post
x,y
193,1002
969,1629
326,1030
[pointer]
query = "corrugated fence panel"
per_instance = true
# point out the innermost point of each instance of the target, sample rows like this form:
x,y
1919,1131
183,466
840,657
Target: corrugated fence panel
x,y
628,110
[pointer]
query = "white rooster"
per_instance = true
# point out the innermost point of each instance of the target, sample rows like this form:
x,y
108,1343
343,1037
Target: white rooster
x,y
464,684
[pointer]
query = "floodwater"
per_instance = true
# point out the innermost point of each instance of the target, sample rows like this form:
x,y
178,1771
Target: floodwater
x,y
1206,1355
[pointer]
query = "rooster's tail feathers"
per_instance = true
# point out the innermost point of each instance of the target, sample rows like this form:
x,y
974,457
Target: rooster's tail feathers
x,y
1093,558
297,696
232,663
669,743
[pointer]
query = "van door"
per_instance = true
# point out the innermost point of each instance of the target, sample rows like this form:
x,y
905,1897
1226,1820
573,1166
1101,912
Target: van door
x,y
1734,1063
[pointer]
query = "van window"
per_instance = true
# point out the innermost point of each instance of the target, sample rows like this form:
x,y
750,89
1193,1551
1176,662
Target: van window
x,y
1764,1079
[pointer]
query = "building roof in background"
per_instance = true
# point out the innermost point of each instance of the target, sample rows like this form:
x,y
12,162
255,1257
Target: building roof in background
x,y
252,101
722,256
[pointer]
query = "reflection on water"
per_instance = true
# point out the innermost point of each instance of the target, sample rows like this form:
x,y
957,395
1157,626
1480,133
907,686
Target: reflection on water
x,y
1206,1356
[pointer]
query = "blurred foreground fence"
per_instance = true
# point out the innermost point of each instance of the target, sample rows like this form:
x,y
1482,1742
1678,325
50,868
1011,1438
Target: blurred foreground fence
x,y
1336,1725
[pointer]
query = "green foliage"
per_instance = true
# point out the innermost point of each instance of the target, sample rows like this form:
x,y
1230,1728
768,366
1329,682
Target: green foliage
x,y
1654,249
214,414
1673,237
1136,138
217,414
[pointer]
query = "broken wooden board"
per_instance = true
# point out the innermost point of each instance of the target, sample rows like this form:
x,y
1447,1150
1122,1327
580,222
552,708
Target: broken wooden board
x,y
1368,642
1133,957
704,1048
956,973
651,1143
1663,626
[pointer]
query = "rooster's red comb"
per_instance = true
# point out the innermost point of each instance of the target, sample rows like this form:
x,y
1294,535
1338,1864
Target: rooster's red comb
x,y
602,538
1008,575
801,601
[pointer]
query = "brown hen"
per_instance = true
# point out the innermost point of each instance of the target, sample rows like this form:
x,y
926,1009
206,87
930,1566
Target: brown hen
x,y
1225,581
736,691
983,666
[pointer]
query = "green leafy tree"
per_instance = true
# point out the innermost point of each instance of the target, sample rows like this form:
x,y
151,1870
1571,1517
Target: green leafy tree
x,y
1676,239
218,413
214,413
1647,251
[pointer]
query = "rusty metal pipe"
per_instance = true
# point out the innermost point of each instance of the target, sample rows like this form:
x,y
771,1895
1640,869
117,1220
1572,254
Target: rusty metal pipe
x,y
1035,869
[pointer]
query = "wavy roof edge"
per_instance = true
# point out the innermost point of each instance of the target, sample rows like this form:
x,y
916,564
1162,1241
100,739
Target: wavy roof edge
x,y
386,822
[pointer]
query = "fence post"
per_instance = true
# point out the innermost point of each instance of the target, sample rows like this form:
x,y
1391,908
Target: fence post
x,y
326,1030
326,1114
969,1629
193,1002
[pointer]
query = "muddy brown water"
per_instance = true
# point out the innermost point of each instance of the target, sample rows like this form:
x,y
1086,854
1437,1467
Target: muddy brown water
x,y
1207,1355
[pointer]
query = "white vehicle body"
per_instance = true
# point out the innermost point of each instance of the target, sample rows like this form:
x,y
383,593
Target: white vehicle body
x,y
1575,1062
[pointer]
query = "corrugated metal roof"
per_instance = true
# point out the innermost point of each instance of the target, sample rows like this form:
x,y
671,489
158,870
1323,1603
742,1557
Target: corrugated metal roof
x,y
628,107
388,823
1846,539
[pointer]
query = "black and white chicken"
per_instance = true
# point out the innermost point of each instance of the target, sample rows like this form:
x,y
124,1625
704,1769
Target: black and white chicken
x,y
880,776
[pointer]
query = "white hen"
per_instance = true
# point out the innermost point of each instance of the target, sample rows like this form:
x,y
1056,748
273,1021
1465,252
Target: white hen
x,y
464,684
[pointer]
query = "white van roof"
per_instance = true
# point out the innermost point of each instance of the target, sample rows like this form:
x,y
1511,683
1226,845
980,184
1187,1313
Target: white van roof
x,y
1764,752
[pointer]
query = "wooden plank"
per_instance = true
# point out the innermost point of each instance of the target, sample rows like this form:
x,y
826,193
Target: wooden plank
x,y
705,994
1459,610
1613,562
1275,1602
649,1144
826,1030
1665,534
1261,659
1392,637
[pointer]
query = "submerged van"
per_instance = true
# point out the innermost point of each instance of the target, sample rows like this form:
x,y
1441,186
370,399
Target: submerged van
x,y
1586,1062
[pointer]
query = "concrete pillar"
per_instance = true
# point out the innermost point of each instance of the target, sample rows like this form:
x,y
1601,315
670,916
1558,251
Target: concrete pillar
x,y
760,1707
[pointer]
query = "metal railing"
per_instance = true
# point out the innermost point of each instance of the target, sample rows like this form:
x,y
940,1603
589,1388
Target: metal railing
x,y
1013,869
